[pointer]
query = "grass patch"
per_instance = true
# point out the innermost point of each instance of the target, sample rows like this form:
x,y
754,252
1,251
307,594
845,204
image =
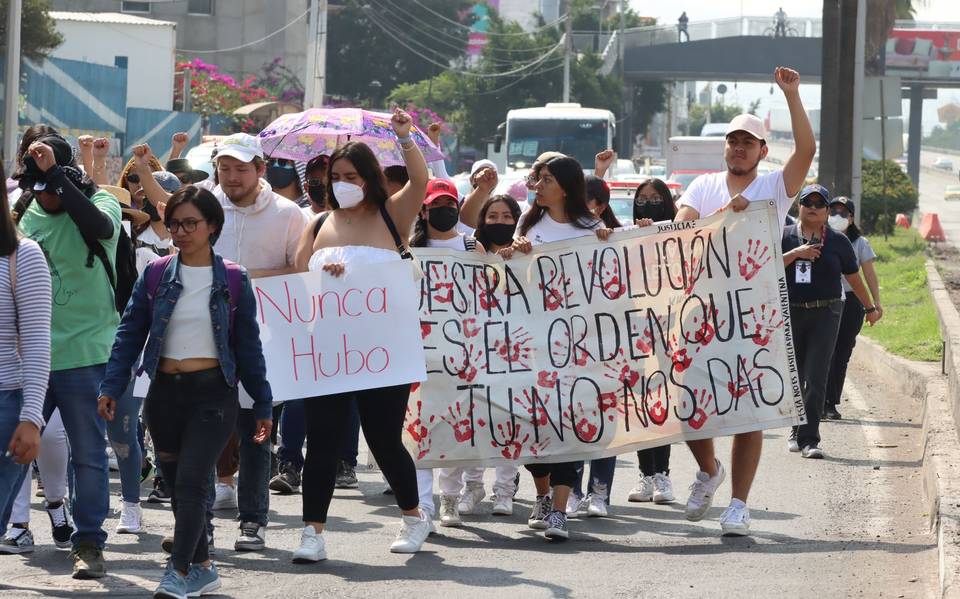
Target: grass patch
x,y
909,327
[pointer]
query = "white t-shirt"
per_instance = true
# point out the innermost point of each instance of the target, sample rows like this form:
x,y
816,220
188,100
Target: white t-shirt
x,y
454,243
865,253
548,230
190,331
709,193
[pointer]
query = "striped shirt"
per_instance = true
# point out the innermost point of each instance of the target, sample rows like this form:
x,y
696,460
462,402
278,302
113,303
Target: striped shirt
x,y
25,329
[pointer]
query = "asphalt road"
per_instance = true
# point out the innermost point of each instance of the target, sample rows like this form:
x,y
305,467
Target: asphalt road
x,y
851,525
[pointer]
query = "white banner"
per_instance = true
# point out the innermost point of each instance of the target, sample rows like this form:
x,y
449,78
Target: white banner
x,y
586,349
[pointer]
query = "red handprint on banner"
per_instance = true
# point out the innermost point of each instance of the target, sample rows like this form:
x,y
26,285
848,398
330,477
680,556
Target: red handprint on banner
x,y
519,350
701,401
539,448
470,328
486,298
656,407
704,332
609,279
553,294
468,368
459,422
751,261
418,431
764,324
693,269
585,430
512,447
442,287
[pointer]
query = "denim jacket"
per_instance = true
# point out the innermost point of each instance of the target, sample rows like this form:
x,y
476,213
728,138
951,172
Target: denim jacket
x,y
242,359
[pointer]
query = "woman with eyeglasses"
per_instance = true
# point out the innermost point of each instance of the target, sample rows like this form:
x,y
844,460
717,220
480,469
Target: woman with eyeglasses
x,y
841,221
816,258
199,339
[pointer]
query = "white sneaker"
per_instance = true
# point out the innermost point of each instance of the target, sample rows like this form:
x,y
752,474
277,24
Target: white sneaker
x,y
735,521
503,505
576,506
662,488
470,498
226,497
538,516
596,505
449,515
112,462
701,493
812,452
643,491
131,518
17,540
792,445
313,547
414,530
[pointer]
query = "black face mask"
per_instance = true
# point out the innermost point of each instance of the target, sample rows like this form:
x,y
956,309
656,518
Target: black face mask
x,y
280,176
654,212
500,233
444,218
152,211
318,194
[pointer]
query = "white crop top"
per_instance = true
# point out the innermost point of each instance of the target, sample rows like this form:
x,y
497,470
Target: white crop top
x,y
190,330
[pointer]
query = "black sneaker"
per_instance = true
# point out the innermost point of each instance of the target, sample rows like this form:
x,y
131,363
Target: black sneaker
x,y
287,481
88,562
831,413
159,493
167,544
346,477
557,526
61,524
274,465
146,469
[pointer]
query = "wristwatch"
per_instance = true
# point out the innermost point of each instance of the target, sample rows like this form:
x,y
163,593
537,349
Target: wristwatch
x,y
870,309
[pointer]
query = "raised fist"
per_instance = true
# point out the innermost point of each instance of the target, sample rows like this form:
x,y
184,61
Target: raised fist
x,y
787,79
43,155
401,122
433,132
101,147
85,142
180,140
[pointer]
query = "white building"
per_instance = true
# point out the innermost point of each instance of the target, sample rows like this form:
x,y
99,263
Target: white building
x,y
146,47
523,11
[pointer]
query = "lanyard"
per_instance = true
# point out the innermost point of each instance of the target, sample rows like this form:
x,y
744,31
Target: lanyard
x,y
823,236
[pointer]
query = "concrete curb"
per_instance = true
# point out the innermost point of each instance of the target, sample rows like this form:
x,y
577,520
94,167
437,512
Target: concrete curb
x,y
940,404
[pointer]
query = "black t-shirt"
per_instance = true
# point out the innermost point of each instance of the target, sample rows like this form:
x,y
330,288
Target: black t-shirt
x,y
837,258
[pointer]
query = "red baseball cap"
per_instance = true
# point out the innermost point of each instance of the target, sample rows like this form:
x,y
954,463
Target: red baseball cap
x,y
438,188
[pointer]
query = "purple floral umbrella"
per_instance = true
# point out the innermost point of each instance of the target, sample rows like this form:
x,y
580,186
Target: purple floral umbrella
x,y
305,135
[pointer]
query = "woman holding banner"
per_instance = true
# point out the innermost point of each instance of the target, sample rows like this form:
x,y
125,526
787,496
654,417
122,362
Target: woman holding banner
x,y
363,228
559,212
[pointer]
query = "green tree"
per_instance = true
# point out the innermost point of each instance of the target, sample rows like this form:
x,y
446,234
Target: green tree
x,y
945,137
887,191
719,113
38,31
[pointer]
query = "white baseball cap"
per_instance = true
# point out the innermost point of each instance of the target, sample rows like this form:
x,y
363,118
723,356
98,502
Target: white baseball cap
x,y
242,146
750,123
479,164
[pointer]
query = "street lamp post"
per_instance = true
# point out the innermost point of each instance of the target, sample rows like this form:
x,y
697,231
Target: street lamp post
x,y
11,94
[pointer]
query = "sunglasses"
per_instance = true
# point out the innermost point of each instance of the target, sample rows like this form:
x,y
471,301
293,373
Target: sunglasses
x,y
815,204
647,198
314,182
133,178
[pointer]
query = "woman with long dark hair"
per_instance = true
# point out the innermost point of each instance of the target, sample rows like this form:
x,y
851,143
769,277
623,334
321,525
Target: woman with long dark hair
x,y
559,212
193,315
598,201
364,227
25,312
851,321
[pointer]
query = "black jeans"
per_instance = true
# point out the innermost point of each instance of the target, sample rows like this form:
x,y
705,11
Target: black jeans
x,y
382,412
190,417
655,460
850,324
814,337
562,473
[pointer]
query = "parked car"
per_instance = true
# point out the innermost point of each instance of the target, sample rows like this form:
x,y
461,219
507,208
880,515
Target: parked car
x,y
944,164
621,199
952,192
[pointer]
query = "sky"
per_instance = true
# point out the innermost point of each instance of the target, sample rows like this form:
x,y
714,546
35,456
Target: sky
x,y
744,93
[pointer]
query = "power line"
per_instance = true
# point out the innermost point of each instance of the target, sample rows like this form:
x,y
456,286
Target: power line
x,y
248,44
518,80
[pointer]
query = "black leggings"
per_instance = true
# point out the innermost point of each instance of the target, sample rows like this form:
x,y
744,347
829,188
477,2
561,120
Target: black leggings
x,y
655,460
190,417
564,474
850,324
382,412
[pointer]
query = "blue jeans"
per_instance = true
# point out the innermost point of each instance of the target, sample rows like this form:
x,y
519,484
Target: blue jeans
x,y
601,477
11,473
253,486
75,392
123,432
293,431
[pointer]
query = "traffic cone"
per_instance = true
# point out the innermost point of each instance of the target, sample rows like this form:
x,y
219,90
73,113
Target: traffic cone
x,y
930,228
903,221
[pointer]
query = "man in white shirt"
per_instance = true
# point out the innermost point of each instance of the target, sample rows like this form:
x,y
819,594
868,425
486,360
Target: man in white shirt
x,y
261,230
735,189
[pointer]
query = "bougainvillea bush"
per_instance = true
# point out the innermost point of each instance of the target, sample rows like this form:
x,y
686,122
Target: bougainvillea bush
x,y
216,93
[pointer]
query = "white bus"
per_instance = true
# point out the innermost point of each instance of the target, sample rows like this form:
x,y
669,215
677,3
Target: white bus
x,y
568,128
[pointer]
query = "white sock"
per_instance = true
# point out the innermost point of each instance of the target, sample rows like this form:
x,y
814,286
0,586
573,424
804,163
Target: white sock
x,y
737,503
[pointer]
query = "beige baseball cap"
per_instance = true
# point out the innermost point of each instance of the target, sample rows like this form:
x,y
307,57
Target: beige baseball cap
x,y
242,146
750,123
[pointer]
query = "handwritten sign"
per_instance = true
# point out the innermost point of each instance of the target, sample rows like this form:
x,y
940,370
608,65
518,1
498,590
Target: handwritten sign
x,y
323,335
585,349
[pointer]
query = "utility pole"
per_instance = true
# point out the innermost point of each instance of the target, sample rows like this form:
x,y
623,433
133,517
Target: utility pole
x,y
829,107
567,51
627,91
11,93
856,158
316,79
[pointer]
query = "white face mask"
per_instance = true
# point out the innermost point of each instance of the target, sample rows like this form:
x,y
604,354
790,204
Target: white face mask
x,y
838,223
347,195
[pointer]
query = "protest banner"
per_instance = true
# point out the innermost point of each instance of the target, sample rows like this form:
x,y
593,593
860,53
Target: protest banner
x,y
585,349
323,334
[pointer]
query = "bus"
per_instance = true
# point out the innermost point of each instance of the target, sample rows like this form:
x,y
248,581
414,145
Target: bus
x,y
561,127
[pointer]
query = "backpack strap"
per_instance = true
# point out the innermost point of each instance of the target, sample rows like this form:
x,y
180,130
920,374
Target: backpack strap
x,y
319,223
469,243
234,288
401,249
153,275
12,270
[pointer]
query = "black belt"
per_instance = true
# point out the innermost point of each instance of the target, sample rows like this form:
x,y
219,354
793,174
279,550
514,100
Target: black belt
x,y
816,303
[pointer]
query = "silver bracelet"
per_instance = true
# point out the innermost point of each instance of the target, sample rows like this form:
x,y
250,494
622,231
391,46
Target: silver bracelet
x,y
404,140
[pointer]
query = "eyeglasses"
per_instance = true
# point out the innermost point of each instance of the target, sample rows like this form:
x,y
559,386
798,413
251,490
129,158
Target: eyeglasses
x,y
189,225
809,203
314,182
133,178
644,198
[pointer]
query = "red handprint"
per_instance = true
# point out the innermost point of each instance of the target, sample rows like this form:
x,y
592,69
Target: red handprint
x,y
705,333
681,361
459,422
469,327
547,379
518,351
700,413
486,298
442,287
586,430
751,261
610,279
765,324
538,449
425,329
418,431
470,366
554,297
512,447
538,415
693,269
658,409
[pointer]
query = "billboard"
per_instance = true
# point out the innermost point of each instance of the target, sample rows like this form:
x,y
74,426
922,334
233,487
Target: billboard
x,y
923,53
